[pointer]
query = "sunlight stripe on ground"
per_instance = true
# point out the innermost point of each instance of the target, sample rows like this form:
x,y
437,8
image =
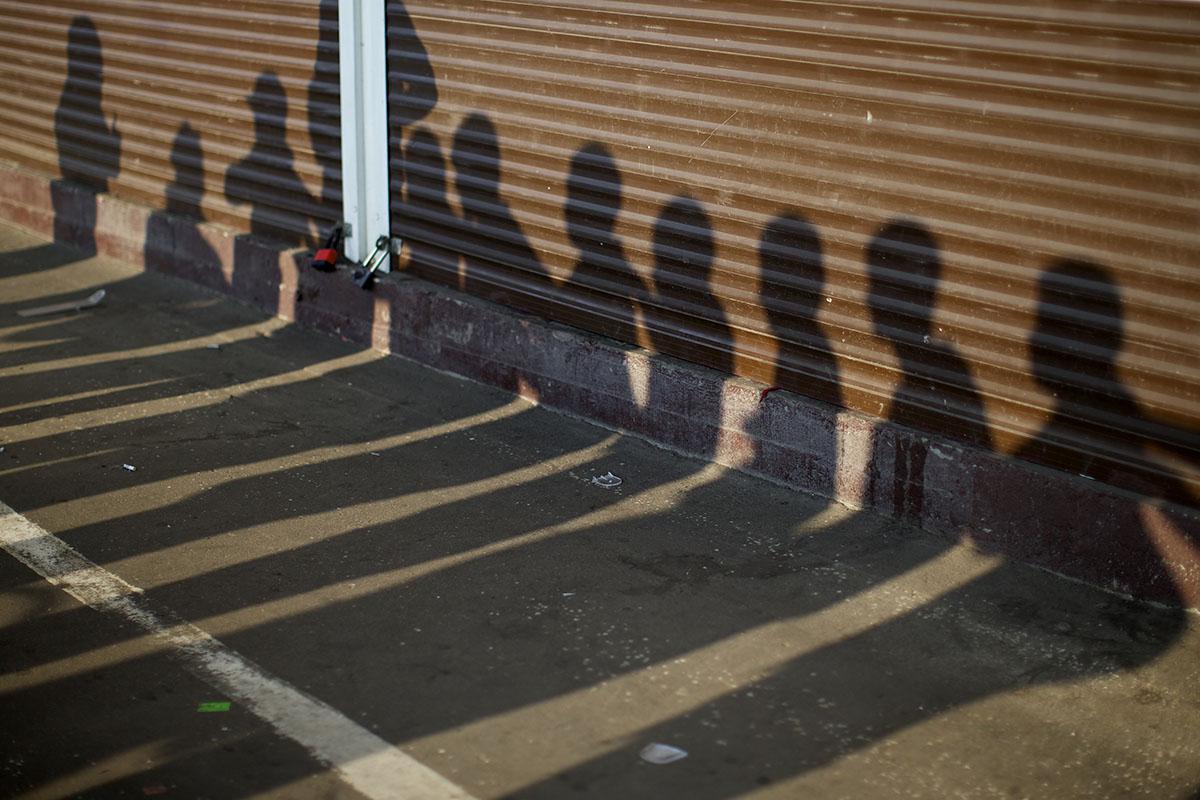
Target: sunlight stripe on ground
x,y
202,398
244,333
369,764
633,703
91,394
628,510
144,497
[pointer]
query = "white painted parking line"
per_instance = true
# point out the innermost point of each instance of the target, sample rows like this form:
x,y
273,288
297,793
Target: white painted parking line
x,y
368,763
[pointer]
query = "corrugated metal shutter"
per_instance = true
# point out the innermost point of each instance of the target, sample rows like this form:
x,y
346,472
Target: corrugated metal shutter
x,y
229,110
975,218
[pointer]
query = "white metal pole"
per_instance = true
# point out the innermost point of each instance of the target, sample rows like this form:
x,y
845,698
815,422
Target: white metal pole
x,y
362,45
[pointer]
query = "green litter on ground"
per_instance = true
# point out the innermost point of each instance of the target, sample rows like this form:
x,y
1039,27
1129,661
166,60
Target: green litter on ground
x,y
220,705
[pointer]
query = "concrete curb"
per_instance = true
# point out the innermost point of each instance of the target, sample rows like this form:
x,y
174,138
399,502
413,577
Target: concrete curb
x,y
1089,531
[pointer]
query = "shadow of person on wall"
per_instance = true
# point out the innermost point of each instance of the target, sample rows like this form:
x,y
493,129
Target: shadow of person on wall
x,y
412,86
412,94
89,147
969,630
792,272
792,266
1097,429
323,107
684,319
174,242
499,262
936,392
608,291
280,203
429,226
612,288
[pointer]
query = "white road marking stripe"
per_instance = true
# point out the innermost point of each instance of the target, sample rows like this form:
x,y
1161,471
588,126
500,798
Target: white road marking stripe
x,y
368,763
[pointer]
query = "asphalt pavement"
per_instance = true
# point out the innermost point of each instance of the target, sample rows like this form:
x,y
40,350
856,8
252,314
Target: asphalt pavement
x,y
249,560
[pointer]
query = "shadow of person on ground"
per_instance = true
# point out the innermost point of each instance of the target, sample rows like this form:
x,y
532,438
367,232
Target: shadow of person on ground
x,y
936,392
685,594
280,204
89,147
969,631
174,242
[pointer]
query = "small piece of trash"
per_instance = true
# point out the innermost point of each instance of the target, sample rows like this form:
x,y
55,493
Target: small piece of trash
x,y
376,454
91,300
607,481
656,753
129,467
215,705
153,791
1,449
568,594
212,346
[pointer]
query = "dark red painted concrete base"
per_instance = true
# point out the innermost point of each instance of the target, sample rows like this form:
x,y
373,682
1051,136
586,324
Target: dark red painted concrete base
x,y
1083,529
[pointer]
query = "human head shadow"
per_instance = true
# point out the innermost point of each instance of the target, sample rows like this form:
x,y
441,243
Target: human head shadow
x,y
792,270
1077,338
412,92
324,108
266,177
281,206
677,576
611,290
430,227
89,147
174,242
904,267
936,393
499,262
1010,628
792,275
412,85
1097,428
186,190
426,222
684,320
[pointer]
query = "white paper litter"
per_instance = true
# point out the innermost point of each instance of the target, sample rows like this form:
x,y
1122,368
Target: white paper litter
x,y
656,753
607,481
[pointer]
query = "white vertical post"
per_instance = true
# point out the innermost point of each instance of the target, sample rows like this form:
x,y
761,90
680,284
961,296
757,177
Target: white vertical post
x,y
362,44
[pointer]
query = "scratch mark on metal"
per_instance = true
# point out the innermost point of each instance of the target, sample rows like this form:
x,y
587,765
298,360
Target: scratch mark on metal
x,y
713,133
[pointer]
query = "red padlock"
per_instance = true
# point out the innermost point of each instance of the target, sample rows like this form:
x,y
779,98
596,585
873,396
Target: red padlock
x,y
326,258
